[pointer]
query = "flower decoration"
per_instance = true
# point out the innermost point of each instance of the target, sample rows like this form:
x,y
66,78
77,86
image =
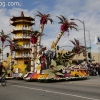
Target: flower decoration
x,y
65,24
44,18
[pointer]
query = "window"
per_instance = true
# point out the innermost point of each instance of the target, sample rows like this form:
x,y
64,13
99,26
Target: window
x,y
26,53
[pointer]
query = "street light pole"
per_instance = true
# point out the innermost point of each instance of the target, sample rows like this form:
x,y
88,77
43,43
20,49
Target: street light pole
x,y
84,35
98,53
90,47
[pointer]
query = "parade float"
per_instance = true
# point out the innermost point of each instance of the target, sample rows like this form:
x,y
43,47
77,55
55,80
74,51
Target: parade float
x,y
31,62
50,65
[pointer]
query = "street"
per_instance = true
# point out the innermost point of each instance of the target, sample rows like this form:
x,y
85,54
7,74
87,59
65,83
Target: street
x,y
69,90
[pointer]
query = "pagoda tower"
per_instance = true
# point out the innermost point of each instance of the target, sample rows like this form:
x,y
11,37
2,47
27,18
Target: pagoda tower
x,y
22,31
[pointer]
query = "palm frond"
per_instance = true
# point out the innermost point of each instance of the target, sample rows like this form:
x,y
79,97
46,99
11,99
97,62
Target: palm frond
x,y
2,32
60,19
77,41
48,15
6,36
73,27
16,42
10,41
35,32
73,42
60,22
50,20
83,47
64,19
72,23
39,13
6,46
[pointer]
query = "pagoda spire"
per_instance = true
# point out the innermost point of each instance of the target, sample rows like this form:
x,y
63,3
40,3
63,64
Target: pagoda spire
x,y
22,14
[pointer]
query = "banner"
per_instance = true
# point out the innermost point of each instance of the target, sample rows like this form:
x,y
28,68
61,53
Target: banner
x,y
97,39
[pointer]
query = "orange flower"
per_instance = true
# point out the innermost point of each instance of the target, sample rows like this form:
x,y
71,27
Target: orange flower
x,y
35,76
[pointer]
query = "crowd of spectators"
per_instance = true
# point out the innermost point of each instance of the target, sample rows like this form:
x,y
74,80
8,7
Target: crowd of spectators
x,y
93,68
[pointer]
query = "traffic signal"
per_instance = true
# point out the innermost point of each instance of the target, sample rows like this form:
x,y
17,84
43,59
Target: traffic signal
x,y
7,54
89,55
57,47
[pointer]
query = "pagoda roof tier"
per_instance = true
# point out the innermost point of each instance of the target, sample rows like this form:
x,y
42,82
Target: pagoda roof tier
x,y
20,38
21,56
22,22
15,58
21,18
21,30
24,48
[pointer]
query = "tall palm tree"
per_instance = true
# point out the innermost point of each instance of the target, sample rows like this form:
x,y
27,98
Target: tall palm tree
x,y
33,40
3,39
65,25
78,48
13,46
43,21
0,53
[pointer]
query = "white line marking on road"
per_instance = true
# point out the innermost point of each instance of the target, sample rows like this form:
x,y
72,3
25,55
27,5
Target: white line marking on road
x,y
55,92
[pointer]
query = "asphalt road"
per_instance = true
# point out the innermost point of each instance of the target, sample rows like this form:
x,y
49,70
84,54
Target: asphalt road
x,y
70,90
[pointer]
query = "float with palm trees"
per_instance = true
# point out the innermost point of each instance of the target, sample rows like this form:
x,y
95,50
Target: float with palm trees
x,y
55,67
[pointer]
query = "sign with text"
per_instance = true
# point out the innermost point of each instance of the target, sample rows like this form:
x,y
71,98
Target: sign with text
x,y
97,39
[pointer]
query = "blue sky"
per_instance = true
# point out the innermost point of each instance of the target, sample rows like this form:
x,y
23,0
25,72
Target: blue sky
x,y
84,10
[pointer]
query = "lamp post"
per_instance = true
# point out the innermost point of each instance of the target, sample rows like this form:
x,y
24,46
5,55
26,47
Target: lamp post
x,y
90,45
98,54
84,35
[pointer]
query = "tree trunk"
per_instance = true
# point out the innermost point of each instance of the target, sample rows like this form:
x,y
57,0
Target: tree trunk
x,y
11,61
2,52
33,58
57,40
39,38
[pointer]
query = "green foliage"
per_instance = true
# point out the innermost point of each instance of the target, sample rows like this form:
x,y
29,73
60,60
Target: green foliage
x,y
74,62
28,66
59,59
64,58
54,70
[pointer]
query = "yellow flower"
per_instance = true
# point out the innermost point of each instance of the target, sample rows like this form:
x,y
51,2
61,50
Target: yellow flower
x,y
53,45
44,76
38,67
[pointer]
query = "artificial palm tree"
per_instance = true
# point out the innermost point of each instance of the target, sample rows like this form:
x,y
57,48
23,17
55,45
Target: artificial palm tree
x,y
13,46
78,48
3,39
65,25
43,21
0,53
67,57
33,40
